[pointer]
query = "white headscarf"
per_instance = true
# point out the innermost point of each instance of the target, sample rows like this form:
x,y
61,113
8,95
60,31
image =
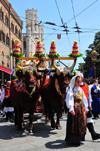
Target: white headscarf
x,y
72,83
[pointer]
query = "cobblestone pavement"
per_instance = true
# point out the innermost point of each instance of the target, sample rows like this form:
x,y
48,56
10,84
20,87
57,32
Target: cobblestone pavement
x,y
43,139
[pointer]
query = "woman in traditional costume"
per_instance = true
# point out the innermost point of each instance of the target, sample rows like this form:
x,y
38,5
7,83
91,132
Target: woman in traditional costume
x,y
78,107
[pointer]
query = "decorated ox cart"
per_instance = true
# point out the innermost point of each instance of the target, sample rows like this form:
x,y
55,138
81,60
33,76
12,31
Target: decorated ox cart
x,y
26,90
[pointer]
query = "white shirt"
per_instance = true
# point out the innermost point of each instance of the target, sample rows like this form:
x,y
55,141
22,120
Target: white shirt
x,y
70,99
2,95
89,96
67,90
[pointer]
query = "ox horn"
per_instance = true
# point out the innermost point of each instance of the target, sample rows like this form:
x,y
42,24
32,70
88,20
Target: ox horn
x,y
54,65
72,65
18,66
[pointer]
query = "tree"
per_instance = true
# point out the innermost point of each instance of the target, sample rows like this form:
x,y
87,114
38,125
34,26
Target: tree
x,y
80,67
88,65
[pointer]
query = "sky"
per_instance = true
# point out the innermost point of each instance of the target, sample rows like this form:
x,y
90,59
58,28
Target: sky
x,y
88,21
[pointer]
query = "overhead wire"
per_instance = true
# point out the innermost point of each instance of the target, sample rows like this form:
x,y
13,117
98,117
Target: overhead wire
x,y
83,11
76,25
52,33
73,11
65,27
59,14
75,22
61,18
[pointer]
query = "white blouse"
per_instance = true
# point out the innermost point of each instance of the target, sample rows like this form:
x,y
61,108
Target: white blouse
x,y
90,97
2,95
70,99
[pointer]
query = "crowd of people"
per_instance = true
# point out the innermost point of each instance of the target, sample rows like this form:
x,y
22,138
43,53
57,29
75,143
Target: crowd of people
x,y
82,101
6,108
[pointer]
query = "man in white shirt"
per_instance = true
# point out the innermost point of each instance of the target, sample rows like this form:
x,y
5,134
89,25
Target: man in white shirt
x,y
2,97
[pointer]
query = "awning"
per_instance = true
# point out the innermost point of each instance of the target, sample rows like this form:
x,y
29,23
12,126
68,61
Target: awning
x,y
5,70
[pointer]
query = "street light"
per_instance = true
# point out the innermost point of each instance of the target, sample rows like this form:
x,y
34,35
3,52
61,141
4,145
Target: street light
x,y
93,56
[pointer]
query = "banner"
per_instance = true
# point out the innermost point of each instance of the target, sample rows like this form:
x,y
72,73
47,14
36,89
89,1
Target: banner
x,y
91,73
58,36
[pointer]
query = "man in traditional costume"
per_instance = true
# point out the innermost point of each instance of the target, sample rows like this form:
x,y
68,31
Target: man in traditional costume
x,y
95,92
87,92
78,107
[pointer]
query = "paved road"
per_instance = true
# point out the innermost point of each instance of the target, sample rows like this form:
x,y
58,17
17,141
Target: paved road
x,y
43,139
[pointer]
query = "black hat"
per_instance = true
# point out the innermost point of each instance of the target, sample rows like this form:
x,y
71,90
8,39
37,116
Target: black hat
x,y
5,85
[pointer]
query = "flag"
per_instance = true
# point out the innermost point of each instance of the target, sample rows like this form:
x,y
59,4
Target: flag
x,y
58,36
91,73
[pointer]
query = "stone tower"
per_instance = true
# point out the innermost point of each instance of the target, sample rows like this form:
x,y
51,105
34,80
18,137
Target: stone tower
x,y
34,31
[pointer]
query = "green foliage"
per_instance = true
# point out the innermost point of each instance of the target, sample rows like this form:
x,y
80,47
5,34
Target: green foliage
x,y
97,47
80,67
75,55
16,54
97,38
54,56
90,46
39,55
88,65
74,72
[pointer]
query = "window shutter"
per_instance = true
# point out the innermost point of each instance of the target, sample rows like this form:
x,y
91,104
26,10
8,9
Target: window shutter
x,y
0,34
4,37
0,15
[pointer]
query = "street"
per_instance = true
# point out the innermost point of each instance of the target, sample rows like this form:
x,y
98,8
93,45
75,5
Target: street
x,y
44,138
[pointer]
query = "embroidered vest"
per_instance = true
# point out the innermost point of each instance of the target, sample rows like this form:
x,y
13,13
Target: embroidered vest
x,y
78,95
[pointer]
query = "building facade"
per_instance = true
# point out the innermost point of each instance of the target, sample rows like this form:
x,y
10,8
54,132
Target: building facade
x,y
34,31
10,29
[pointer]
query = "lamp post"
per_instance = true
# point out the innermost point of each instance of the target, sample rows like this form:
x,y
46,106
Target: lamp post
x,y
93,56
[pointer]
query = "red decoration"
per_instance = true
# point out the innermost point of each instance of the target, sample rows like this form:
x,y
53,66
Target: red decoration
x,y
58,36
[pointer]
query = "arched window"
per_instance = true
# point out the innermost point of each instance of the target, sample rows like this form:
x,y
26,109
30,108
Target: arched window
x,y
21,50
2,58
34,25
12,44
12,49
24,44
7,20
12,27
19,34
2,36
16,30
7,61
7,40
1,15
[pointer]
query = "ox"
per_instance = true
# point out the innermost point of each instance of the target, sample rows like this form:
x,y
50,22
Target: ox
x,y
26,101
52,95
